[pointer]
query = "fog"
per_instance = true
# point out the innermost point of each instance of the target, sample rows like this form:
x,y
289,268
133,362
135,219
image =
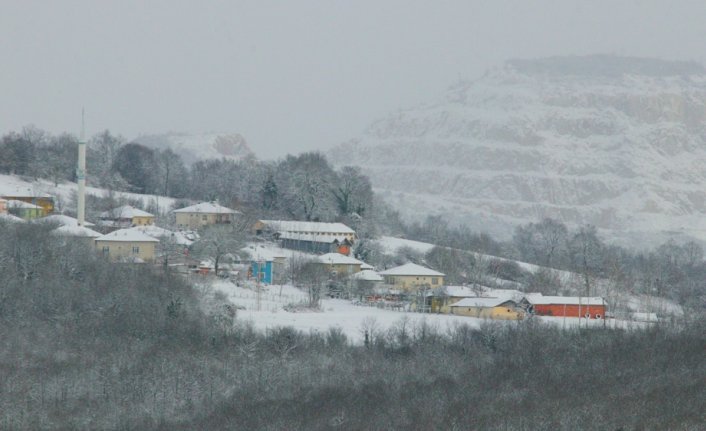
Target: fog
x,y
292,76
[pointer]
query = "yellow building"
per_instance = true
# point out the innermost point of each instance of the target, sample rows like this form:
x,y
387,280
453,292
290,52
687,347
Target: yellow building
x,y
411,276
126,216
490,308
203,214
440,300
46,202
127,245
24,210
340,265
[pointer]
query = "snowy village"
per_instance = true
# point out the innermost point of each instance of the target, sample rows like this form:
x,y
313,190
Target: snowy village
x,y
327,215
274,270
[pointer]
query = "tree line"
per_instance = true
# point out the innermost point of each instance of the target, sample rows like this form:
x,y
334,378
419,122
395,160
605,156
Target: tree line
x,y
302,187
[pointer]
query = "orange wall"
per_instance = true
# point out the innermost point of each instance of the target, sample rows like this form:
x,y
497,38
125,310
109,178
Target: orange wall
x,y
570,310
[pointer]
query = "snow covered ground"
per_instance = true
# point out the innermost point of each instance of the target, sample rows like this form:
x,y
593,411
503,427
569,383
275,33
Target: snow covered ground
x,y
12,185
351,319
354,319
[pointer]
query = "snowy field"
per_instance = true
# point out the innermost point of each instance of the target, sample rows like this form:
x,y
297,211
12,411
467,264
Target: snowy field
x,y
354,319
351,319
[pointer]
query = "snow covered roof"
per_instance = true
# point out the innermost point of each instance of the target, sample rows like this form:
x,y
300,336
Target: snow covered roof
x,y
412,269
261,253
207,208
125,211
338,259
316,237
127,235
481,302
159,232
63,220
539,299
308,227
12,203
367,275
366,266
11,218
18,191
66,230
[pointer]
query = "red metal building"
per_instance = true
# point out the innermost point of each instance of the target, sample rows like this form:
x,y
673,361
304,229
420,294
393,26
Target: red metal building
x,y
567,306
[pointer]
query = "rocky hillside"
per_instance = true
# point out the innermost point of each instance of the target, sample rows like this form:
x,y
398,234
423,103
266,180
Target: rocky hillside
x,y
612,141
195,147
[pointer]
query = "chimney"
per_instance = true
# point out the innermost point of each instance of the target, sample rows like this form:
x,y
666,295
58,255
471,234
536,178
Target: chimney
x,y
81,175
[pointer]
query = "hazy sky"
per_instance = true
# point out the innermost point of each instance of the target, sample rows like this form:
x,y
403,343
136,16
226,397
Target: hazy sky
x,y
293,75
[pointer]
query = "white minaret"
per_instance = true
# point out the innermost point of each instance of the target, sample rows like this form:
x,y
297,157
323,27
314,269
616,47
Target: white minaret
x,y
81,174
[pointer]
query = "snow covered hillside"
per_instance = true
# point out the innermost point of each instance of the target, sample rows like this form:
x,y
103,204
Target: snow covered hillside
x,y
195,147
12,185
611,141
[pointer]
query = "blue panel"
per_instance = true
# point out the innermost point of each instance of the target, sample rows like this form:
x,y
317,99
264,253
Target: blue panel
x,y
263,270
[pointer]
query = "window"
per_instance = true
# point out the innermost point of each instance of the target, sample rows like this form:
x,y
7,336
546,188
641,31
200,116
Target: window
x,y
106,249
135,249
204,217
434,280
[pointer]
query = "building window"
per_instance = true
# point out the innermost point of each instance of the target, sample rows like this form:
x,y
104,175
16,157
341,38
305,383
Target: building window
x,y
204,218
434,280
135,249
106,249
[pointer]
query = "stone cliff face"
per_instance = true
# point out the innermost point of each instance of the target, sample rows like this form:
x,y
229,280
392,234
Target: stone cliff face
x,y
612,141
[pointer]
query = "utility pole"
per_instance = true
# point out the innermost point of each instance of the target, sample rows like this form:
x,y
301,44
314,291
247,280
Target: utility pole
x,y
259,275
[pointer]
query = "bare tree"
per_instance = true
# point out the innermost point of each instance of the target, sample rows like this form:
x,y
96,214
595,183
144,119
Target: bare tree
x,y
586,252
311,275
353,191
217,241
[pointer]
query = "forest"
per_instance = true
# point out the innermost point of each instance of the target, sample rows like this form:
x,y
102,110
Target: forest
x,y
93,345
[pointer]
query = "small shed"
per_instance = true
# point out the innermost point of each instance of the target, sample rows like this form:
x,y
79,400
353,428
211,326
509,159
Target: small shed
x,y
491,308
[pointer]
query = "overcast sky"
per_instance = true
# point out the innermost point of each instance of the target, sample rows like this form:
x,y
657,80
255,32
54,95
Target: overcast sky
x,y
293,75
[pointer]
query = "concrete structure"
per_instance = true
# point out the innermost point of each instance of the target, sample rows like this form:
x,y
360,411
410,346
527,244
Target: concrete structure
x,y
309,237
412,276
315,244
314,229
566,306
490,308
340,265
127,245
203,214
440,300
126,216
24,210
81,175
